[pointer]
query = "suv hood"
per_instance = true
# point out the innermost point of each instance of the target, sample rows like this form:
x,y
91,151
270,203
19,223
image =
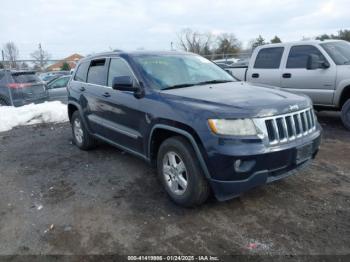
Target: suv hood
x,y
257,100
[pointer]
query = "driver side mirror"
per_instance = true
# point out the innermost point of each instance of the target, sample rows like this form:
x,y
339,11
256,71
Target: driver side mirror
x,y
124,83
314,62
127,83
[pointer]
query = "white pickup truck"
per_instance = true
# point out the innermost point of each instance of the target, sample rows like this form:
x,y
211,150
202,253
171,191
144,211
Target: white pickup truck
x,y
319,69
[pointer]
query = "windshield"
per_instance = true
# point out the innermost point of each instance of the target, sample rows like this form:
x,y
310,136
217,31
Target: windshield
x,y
175,71
338,51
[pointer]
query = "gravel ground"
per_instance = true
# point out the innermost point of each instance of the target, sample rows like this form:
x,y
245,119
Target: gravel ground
x,y
56,199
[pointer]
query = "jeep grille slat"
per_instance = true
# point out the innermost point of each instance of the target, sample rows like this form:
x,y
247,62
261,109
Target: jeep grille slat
x,y
284,128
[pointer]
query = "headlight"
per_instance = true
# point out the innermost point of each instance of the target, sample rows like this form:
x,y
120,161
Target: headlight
x,y
237,127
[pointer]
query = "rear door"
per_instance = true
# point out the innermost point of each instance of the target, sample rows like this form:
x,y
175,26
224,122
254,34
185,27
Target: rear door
x,y
267,66
318,84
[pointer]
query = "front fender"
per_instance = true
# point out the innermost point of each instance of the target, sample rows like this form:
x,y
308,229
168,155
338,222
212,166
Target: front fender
x,y
186,134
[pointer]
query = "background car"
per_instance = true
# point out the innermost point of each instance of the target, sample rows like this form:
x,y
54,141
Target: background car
x,y
49,76
57,88
18,88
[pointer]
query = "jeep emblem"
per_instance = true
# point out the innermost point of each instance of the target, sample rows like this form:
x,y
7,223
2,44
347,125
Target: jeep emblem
x,y
293,108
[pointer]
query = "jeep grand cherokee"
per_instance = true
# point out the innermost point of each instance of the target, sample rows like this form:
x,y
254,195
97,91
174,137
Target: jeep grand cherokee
x,y
203,130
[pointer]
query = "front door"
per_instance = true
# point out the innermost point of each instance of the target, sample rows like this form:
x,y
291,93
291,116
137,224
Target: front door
x,y
318,84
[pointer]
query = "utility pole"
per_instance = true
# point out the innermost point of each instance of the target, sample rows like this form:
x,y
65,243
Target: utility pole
x,y
3,58
41,57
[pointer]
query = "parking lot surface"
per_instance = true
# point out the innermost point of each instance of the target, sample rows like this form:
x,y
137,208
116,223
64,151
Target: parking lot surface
x,y
56,199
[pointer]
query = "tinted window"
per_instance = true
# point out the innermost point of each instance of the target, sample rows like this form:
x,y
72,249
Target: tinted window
x,y
269,58
118,67
25,78
97,73
298,56
82,72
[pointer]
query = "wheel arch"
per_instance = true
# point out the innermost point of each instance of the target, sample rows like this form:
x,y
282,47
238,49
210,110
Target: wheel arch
x,y
160,132
345,95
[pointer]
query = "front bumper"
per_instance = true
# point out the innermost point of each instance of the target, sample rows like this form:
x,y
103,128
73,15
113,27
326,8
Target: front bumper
x,y
264,168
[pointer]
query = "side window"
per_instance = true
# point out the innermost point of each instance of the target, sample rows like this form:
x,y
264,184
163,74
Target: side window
x,y
298,56
62,82
118,67
269,58
81,72
97,72
2,74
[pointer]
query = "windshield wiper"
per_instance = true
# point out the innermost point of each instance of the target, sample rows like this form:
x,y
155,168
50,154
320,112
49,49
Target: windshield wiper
x,y
213,82
178,86
197,84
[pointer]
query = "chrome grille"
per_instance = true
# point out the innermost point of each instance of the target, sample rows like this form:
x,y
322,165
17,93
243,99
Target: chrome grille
x,y
288,127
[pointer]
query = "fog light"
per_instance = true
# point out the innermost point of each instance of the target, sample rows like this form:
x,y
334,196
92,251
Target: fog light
x,y
237,164
243,166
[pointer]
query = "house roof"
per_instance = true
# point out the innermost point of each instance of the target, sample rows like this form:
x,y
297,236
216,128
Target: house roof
x,y
71,60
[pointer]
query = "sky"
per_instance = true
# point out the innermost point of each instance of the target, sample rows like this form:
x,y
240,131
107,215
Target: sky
x,y
64,27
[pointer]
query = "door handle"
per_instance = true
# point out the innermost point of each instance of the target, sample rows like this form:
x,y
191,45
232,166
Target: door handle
x,y
106,94
82,88
255,75
287,75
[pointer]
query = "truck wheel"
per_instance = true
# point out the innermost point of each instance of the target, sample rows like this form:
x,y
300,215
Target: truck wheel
x,y
345,114
81,136
180,172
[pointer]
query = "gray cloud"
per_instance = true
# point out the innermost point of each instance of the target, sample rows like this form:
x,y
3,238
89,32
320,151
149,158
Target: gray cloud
x,y
87,26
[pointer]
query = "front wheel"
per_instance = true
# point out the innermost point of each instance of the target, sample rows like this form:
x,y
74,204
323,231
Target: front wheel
x,y
180,172
345,114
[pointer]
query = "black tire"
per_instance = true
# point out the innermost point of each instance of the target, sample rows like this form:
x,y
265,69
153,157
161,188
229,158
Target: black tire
x,y
345,114
87,141
4,101
197,190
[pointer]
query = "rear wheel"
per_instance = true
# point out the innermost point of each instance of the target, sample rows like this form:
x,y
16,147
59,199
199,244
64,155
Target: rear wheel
x,y
345,114
81,136
180,172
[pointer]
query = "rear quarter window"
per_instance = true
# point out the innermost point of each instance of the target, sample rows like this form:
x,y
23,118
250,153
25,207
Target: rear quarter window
x,y
269,58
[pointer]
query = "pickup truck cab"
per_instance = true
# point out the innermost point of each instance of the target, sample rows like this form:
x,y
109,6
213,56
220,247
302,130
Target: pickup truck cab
x,y
202,130
319,69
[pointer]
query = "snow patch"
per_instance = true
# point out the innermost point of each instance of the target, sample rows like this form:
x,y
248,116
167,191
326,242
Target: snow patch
x,y
48,112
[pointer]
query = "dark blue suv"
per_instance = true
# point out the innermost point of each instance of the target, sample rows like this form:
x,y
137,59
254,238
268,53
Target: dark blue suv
x,y
203,130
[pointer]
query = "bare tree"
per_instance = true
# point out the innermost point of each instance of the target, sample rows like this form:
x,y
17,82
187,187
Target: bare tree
x,y
41,57
195,42
11,53
227,44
